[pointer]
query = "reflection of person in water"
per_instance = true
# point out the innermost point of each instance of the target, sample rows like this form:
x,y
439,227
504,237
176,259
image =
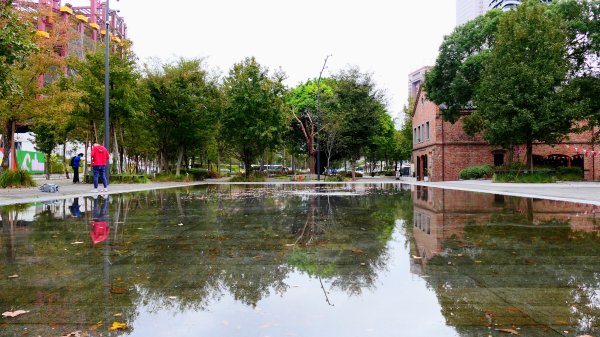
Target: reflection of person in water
x,y
74,208
100,226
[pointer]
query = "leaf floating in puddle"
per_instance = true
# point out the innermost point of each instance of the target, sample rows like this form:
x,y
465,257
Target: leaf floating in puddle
x,y
510,331
117,326
13,276
358,251
14,313
118,290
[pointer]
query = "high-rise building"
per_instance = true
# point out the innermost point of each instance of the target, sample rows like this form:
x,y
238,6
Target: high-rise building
x,y
508,4
467,10
415,79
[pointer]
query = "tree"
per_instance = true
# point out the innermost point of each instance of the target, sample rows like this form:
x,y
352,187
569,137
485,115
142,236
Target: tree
x,y
16,42
361,106
302,101
383,142
183,100
44,94
127,97
582,25
253,114
454,79
518,97
405,135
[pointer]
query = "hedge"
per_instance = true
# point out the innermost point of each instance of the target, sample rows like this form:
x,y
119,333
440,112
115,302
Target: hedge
x,y
477,172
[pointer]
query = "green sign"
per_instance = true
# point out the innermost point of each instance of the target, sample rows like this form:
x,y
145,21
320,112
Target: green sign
x,y
31,161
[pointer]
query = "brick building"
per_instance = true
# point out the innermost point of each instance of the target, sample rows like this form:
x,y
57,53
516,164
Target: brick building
x,y
442,149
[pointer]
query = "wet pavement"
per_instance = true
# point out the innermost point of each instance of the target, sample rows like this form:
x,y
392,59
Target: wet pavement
x,y
300,260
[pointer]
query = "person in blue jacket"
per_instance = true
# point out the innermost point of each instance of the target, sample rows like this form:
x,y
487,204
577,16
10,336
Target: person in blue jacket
x,y
75,163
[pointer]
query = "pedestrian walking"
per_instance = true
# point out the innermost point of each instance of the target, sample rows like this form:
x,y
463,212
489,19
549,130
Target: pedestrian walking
x,y
99,158
75,163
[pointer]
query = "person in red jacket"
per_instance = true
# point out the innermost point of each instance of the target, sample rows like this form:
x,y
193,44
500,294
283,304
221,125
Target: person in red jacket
x,y
99,158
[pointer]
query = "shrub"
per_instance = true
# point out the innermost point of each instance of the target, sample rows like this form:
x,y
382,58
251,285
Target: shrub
x,y
389,173
254,177
338,178
349,174
20,178
122,178
197,174
569,174
532,177
166,177
477,172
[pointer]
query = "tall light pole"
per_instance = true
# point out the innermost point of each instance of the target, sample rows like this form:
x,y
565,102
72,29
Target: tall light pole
x,y
106,97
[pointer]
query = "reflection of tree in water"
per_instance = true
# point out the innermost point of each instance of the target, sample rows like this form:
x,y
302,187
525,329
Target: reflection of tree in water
x,y
343,239
231,241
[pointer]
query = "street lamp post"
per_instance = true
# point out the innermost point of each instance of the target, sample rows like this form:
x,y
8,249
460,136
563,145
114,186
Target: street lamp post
x,y
106,97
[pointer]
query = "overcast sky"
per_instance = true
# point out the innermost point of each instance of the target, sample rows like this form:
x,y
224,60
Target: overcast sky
x,y
389,38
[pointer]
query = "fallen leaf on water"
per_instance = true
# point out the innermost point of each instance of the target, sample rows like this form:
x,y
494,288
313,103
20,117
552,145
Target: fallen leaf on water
x,y
358,251
13,276
510,331
118,290
14,313
117,326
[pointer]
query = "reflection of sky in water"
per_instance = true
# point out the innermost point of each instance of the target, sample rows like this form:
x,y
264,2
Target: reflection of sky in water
x,y
400,305
246,260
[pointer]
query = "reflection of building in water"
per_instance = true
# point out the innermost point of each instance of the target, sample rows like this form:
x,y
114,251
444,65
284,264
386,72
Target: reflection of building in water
x,y
443,214
500,261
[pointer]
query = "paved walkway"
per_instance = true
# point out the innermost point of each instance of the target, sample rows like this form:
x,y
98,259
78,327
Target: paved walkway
x,y
583,192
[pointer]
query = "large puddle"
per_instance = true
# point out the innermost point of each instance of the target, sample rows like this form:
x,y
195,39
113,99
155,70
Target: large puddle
x,y
348,260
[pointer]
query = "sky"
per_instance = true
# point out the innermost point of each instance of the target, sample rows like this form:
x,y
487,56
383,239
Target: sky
x,y
389,38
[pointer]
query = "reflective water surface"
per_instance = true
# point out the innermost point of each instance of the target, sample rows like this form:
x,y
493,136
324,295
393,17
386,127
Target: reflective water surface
x,y
347,260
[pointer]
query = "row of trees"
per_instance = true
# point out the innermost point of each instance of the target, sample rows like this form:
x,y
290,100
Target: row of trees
x,y
169,115
533,73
